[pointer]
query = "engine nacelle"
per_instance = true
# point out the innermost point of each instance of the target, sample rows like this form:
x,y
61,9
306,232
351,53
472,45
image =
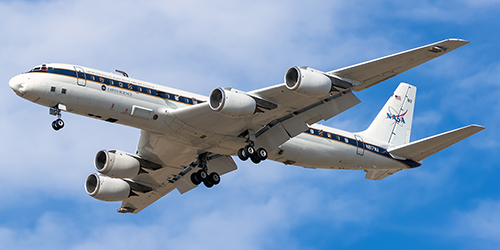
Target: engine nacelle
x,y
308,82
106,188
116,164
232,103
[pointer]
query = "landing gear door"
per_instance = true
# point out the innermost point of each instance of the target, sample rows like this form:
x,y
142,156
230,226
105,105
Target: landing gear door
x,y
360,149
80,76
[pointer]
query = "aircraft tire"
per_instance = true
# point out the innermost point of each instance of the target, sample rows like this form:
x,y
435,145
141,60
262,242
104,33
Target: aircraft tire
x,y
261,153
208,184
194,179
57,124
241,154
255,159
60,123
202,175
249,150
214,178
54,126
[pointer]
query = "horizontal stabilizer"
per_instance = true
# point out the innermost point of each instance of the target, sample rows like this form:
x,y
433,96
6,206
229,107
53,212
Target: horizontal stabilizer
x,y
378,175
421,149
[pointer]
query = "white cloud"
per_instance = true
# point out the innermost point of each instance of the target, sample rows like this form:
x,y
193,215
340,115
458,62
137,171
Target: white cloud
x,y
198,46
478,227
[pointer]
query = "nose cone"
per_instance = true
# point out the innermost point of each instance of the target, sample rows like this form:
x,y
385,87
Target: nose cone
x,y
18,83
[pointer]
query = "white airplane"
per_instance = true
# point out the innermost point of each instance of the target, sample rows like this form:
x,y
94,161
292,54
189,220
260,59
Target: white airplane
x,y
188,139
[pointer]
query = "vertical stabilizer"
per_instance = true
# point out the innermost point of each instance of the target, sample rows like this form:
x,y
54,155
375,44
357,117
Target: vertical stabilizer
x,y
393,122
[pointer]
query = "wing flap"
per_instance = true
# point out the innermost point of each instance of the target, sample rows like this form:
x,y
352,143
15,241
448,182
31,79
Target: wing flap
x,y
372,72
279,131
421,149
135,204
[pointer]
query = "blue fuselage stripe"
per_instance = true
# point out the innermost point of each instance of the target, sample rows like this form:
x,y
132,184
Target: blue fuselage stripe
x,y
359,144
122,84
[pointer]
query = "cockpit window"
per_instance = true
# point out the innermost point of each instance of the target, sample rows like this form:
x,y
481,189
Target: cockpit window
x,y
35,69
42,68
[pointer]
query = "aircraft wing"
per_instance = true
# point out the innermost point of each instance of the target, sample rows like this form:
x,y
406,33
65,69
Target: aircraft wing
x,y
200,124
282,113
172,160
367,74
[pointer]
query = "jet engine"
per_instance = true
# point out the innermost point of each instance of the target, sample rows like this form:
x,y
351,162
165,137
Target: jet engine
x,y
116,164
307,81
106,188
232,103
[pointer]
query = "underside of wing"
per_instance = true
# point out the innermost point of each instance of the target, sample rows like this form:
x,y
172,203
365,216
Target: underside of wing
x,y
175,162
369,73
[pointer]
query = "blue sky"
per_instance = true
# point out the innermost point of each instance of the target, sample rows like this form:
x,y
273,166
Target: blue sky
x,y
451,202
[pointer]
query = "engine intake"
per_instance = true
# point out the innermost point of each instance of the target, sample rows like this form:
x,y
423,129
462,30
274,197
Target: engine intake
x,y
106,188
307,81
232,103
116,164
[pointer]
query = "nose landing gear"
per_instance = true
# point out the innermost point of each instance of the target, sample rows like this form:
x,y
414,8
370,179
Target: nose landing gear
x,y
57,124
56,111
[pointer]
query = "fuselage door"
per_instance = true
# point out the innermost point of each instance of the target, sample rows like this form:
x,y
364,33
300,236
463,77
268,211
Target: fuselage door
x,y
80,76
360,149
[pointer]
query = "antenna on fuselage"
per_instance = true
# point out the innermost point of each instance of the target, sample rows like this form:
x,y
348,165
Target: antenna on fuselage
x,y
121,72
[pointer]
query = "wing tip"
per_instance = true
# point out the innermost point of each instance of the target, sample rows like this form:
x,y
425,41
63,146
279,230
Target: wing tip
x,y
457,40
477,128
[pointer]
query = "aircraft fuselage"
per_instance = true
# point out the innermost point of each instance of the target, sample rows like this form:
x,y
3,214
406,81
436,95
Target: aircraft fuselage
x,y
119,99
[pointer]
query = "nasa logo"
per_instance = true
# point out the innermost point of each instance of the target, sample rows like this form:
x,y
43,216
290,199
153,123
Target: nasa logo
x,y
103,87
397,118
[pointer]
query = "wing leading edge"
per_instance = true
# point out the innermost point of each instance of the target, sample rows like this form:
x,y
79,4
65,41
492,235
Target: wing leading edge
x,y
369,73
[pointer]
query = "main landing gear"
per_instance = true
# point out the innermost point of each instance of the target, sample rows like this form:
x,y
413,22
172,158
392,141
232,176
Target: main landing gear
x,y
56,110
249,152
209,180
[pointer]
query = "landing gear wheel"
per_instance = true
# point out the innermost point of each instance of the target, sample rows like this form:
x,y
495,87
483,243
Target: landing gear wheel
x,y
194,179
208,184
54,126
242,155
255,159
249,150
202,175
214,178
57,124
262,154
